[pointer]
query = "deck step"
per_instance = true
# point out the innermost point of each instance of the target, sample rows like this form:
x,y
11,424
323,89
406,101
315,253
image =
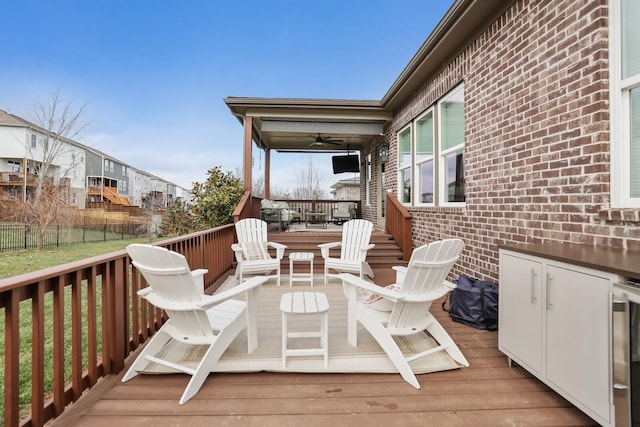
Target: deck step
x,y
385,254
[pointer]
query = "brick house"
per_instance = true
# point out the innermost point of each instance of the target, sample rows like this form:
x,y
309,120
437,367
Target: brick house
x,y
514,122
346,189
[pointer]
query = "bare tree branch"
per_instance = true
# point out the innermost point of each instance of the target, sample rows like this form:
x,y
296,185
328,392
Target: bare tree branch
x,y
50,162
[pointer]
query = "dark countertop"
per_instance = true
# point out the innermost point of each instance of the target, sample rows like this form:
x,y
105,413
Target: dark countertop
x,y
618,261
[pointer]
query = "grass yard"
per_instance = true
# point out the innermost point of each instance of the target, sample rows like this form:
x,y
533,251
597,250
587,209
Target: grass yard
x,y
19,262
13,263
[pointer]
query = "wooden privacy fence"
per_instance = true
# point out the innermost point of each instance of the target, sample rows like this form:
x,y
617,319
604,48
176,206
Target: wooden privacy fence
x,y
88,311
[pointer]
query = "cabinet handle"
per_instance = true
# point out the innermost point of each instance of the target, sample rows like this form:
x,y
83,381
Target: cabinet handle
x,y
533,279
549,279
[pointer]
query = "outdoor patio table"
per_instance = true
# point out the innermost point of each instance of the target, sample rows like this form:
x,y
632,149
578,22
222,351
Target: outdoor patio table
x,y
316,219
299,277
304,304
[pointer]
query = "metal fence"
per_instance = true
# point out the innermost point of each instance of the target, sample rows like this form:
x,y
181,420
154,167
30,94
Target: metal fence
x,y
16,237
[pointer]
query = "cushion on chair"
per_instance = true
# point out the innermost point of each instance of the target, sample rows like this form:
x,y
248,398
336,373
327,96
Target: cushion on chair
x,y
255,250
376,302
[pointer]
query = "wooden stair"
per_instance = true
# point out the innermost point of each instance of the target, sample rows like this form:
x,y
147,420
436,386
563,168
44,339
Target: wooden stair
x,y
384,255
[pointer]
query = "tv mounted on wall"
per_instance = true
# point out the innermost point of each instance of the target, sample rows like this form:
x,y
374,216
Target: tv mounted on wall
x,y
348,163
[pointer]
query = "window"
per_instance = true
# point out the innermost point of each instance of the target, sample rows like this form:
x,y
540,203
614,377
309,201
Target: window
x,y
404,165
14,166
111,167
625,102
424,158
451,144
431,164
106,165
124,171
368,184
34,140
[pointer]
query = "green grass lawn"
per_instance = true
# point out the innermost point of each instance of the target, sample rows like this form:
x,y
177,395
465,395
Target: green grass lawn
x,y
19,262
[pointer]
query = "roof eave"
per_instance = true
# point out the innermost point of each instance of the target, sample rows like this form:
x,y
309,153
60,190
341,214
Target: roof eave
x,y
461,23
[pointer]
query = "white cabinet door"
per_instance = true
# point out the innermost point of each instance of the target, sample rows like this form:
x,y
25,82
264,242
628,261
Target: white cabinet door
x,y
520,311
577,335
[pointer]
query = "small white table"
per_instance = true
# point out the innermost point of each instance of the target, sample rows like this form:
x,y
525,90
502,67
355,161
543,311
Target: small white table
x,y
300,277
299,304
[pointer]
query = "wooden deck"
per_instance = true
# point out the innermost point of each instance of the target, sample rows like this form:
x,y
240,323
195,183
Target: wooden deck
x,y
488,393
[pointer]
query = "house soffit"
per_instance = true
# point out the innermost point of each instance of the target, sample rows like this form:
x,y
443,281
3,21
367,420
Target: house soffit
x,y
305,125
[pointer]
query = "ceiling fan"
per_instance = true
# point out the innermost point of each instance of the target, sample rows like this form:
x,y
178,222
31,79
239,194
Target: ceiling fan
x,y
320,140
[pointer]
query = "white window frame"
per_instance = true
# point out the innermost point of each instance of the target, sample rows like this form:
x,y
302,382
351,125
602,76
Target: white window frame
x,y
418,161
441,153
408,165
14,165
620,135
438,157
369,178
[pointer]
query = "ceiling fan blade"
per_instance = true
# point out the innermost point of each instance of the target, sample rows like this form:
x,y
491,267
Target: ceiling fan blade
x,y
323,143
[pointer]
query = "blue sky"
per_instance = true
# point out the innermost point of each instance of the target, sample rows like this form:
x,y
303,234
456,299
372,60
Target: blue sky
x,y
154,74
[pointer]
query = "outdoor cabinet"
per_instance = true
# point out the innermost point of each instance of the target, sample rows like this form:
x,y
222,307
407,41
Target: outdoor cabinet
x,y
554,321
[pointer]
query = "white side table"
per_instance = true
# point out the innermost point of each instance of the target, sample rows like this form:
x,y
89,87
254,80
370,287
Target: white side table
x,y
299,304
300,277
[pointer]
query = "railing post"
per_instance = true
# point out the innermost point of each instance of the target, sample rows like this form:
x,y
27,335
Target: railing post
x,y
12,359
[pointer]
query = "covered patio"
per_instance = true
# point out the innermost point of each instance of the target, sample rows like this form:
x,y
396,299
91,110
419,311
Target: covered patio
x,y
337,127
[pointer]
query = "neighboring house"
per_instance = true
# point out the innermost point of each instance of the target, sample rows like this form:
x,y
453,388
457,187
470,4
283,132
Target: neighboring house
x,y
107,179
346,189
516,121
92,176
22,154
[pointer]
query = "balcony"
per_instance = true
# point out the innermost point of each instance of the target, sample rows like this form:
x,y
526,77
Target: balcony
x,y
489,393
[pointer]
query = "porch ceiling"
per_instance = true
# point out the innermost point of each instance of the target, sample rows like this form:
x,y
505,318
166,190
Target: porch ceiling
x,y
307,125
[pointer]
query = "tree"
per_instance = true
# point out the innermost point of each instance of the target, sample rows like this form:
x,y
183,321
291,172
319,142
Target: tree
x,y
178,220
308,182
215,199
50,161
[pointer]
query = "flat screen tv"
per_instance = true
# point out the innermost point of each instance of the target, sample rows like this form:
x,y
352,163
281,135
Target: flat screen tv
x,y
348,163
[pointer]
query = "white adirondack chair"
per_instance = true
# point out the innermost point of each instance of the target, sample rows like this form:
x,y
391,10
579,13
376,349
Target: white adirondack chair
x,y
407,312
194,318
252,250
356,234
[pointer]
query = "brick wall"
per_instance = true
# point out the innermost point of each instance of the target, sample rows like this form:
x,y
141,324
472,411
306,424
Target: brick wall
x,y
537,136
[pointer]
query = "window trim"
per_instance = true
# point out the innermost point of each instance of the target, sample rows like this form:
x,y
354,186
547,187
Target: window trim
x,y
369,178
440,198
619,99
442,153
417,163
402,167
